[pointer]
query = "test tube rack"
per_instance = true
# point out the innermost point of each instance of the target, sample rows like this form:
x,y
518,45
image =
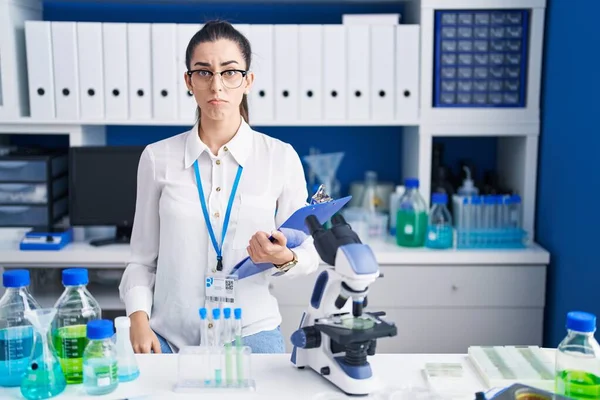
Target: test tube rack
x,y
218,368
488,222
502,366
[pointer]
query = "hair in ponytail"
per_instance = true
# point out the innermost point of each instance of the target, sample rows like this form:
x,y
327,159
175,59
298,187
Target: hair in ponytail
x,y
217,30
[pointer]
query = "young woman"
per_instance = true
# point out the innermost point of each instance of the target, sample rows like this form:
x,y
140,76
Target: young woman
x,y
208,198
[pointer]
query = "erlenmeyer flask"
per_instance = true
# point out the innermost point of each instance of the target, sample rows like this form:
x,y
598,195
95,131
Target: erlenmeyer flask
x,y
44,377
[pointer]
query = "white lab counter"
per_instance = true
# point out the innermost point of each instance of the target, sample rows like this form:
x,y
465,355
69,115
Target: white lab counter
x,y
277,378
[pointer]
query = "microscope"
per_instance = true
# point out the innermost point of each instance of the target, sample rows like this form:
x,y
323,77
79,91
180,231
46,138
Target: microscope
x,y
336,335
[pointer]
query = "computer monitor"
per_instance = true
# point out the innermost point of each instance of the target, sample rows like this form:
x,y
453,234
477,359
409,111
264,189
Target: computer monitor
x,y
102,188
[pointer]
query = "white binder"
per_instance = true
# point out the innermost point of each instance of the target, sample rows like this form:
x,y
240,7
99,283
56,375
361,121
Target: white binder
x,y
383,84
407,72
262,94
164,72
91,74
116,89
335,94
286,73
140,70
311,72
358,61
186,101
38,39
66,74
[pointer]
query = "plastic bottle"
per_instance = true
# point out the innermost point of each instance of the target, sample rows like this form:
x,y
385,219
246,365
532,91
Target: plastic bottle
x,y
394,203
16,332
411,219
468,187
369,200
100,369
439,228
578,359
128,367
75,308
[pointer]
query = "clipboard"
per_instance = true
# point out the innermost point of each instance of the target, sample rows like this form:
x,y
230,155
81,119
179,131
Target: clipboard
x,y
295,231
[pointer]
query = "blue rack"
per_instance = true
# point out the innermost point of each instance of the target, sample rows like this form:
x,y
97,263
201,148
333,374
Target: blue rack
x,y
480,58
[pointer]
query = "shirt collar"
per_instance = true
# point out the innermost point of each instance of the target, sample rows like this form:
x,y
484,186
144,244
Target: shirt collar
x,y
239,145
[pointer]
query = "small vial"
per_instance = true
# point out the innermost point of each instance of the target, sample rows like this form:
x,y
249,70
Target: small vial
x,y
216,361
204,339
100,369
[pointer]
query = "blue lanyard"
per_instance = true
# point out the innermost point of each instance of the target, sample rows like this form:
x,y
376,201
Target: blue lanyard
x,y
218,249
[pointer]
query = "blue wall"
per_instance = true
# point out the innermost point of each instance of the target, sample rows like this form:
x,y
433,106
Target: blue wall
x,y
374,148
567,217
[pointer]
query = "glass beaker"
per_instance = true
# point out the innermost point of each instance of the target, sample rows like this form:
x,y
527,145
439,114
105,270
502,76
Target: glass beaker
x,y
44,377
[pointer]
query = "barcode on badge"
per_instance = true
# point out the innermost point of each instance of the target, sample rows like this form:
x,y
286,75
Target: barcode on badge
x,y
218,299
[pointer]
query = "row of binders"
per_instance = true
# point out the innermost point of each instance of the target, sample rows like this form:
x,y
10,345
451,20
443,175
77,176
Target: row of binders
x,y
135,72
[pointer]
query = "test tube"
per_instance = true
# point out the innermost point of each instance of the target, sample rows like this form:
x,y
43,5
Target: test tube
x,y
515,211
476,220
227,338
216,346
204,339
465,221
239,347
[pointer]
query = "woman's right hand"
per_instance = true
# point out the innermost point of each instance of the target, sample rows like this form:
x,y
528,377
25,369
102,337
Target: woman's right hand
x,y
143,338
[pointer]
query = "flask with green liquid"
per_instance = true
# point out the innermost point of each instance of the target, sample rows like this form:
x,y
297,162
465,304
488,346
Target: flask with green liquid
x,y
75,308
578,359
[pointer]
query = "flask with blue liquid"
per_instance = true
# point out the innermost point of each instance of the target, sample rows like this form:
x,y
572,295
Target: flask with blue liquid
x,y
439,227
16,332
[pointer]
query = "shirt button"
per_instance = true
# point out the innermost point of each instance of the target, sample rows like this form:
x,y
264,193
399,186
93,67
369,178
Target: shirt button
x,y
218,189
225,148
218,162
217,215
210,325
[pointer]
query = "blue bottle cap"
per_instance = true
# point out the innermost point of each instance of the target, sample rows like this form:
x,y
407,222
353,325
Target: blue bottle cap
x,y
476,200
581,321
237,313
411,183
216,312
227,313
489,200
75,277
15,278
99,329
439,198
202,313
515,199
507,200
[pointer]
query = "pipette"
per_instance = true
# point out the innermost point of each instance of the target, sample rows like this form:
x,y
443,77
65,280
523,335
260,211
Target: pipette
x,y
238,344
216,313
227,339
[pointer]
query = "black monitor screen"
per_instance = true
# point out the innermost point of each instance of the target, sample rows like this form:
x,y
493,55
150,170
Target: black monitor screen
x,y
103,184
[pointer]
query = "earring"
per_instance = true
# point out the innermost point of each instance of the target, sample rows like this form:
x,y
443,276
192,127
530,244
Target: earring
x,y
190,92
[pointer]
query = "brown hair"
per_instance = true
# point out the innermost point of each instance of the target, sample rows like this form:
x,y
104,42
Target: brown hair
x,y
217,30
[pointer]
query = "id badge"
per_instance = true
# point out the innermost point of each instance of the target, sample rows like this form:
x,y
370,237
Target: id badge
x,y
220,289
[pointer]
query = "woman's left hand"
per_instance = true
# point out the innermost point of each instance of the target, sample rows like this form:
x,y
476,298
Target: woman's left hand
x,y
262,250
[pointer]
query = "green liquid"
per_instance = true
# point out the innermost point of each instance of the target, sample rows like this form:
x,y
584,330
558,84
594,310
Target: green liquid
x,y
578,385
69,343
411,228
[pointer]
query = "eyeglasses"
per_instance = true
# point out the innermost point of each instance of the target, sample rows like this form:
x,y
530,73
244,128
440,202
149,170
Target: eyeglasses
x,y
231,78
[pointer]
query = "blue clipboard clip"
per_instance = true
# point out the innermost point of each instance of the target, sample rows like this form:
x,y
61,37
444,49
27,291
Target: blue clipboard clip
x,y
295,230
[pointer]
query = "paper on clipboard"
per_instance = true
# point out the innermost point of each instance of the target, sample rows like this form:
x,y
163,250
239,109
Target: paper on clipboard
x,y
295,231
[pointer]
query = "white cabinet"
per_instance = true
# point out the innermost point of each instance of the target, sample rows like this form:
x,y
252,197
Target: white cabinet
x,y
442,309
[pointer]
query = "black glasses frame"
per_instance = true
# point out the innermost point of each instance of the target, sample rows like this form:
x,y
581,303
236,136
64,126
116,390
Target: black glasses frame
x,y
212,74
